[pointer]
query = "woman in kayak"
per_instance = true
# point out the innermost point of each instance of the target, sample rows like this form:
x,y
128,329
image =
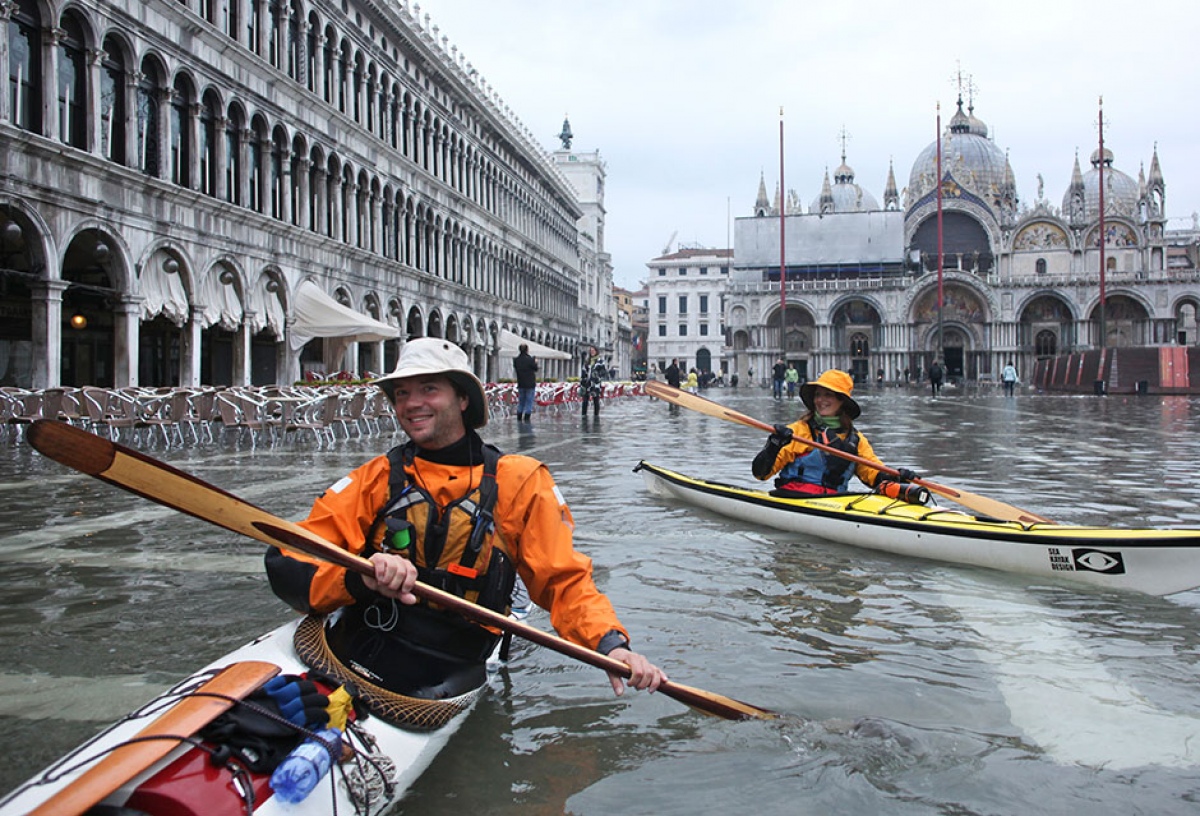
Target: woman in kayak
x,y
455,513
830,419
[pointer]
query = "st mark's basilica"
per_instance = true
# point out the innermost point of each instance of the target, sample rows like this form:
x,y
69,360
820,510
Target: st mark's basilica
x,y
1020,282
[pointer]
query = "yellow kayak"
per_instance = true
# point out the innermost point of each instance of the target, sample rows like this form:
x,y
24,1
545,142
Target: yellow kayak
x,y
1154,561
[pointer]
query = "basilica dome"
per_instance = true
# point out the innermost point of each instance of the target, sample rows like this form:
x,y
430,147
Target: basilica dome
x,y
969,156
1121,193
843,195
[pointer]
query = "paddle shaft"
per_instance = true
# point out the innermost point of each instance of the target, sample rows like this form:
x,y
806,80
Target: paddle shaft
x,y
980,504
174,488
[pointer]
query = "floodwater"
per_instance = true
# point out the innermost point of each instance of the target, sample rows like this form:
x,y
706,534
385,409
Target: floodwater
x,y
907,686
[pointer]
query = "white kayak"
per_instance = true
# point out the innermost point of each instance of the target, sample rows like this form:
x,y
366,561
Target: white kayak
x,y
386,759
1151,560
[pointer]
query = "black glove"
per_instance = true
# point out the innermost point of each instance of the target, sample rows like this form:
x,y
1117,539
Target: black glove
x,y
905,475
781,437
911,493
298,700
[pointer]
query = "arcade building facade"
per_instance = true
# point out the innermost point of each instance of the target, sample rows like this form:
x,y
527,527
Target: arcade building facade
x,y
241,192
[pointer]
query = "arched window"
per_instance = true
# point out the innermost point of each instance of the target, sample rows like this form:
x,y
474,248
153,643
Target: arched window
x,y
274,10
256,172
278,147
1041,266
859,345
232,23
233,157
112,103
1045,344
181,143
148,119
25,66
207,148
72,84
253,32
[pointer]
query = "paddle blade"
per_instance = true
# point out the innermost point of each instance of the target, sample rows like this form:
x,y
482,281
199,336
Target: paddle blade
x,y
701,405
159,738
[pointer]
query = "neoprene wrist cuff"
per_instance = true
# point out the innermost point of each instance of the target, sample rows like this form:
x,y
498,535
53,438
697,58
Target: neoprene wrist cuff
x,y
613,640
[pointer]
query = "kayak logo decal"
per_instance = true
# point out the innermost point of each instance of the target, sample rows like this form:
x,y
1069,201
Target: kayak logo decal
x,y
1085,559
1099,561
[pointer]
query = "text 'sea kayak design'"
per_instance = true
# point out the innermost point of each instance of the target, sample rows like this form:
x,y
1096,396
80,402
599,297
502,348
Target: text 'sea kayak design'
x,y
1154,561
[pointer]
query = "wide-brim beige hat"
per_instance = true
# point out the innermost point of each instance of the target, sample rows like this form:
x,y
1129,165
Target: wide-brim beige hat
x,y
836,381
432,355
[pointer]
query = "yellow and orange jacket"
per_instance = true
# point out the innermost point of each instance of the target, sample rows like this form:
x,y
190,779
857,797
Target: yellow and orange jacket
x,y
530,515
810,469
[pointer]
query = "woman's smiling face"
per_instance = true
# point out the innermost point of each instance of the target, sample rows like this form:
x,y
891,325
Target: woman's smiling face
x,y
827,402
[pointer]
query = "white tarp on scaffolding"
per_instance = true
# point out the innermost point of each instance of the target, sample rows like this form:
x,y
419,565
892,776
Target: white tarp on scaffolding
x,y
510,344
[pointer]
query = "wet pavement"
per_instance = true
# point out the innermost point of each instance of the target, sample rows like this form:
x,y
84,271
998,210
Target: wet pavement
x,y
909,687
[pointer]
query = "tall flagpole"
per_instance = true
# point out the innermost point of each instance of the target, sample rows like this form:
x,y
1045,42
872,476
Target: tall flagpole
x,y
941,249
782,245
1103,305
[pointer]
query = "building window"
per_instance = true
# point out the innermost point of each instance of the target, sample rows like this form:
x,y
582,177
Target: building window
x,y
859,347
683,329
704,330
662,304
724,270
704,270
662,330
112,103
147,113
662,271
207,149
1045,344
704,304
24,66
181,145
682,271
683,304
1041,266
72,84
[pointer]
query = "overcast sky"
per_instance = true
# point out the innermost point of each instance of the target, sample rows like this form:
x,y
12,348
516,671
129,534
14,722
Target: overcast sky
x,y
682,97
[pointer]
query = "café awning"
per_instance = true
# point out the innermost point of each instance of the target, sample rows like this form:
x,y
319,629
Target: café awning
x,y
319,315
510,344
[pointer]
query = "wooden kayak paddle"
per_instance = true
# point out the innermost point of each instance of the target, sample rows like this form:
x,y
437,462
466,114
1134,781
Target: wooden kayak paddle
x,y
174,488
979,504
194,710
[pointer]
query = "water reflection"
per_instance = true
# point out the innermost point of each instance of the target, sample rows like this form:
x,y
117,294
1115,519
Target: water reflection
x,y
911,687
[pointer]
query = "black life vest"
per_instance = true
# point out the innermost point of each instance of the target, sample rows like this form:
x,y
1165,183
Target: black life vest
x,y
456,549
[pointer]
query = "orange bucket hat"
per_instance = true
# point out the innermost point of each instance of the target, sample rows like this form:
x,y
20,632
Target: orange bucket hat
x,y
836,381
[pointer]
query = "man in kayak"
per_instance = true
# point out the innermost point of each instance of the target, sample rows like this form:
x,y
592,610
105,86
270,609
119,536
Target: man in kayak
x,y
451,511
830,420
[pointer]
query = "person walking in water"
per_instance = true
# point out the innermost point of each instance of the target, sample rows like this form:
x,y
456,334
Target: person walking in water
x,y
792,378
526,368
778,373
591,380
1008,376
935,377
672,373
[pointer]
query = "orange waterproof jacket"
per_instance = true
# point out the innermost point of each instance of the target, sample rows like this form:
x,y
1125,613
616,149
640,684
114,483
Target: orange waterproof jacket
x,y
530,515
